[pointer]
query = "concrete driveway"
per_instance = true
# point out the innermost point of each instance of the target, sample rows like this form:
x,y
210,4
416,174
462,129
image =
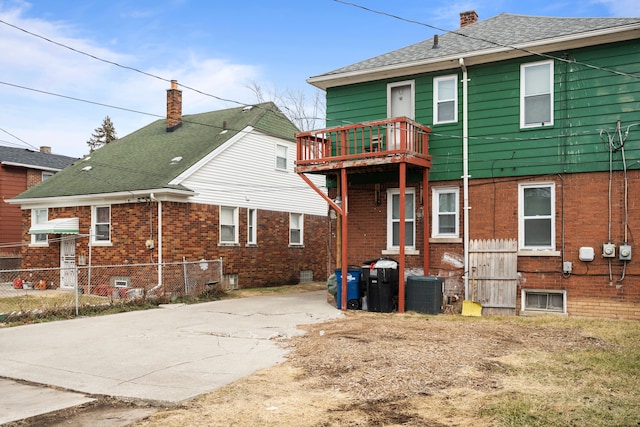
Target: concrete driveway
x,y
166,355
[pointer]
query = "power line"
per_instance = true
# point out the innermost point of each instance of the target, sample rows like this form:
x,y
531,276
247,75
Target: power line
x,y
21,140
456,32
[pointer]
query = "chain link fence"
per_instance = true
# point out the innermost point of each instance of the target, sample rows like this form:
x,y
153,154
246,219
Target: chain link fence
x,y
38,292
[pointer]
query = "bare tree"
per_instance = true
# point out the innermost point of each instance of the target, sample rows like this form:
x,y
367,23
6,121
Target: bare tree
x,y
306,112
102,135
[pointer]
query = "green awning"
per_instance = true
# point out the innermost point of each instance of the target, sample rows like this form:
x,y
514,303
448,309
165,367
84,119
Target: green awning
x,y
56,226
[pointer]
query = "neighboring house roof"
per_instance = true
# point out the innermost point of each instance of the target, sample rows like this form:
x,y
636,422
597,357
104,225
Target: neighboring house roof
x,y
494,39
150,158
24,157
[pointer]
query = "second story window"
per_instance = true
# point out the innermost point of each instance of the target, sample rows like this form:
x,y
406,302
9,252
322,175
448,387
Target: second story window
x,y
101,219
281,157
445,99
536,94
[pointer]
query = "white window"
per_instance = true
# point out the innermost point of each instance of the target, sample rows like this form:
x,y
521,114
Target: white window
x,y
228,225
445,99
101,220
445,212
39,216
544,301
536,216
296,228
252,226
536,94
393,218
281,157
46,175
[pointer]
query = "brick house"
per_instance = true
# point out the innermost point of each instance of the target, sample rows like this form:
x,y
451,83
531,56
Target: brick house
x,y
21,169
200,186
506,150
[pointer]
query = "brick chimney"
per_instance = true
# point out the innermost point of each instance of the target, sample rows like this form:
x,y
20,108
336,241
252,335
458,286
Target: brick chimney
x,y
45,149
174,107
467,18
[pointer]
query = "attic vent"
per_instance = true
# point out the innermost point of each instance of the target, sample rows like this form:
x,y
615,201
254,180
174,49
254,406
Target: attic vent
x,y
247,108
87,168
176,160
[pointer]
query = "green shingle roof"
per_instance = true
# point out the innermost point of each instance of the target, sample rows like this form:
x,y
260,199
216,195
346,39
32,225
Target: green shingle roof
x,y
144,159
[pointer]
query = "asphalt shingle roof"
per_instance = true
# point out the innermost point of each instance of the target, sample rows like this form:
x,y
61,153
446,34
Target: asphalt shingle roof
x,y
504,30
144,159
34,159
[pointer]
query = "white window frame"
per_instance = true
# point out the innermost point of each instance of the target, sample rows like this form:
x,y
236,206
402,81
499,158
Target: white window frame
x,y
296,223
46,175
39,239
97,239
526,309
437,99
279,157
410,217
252,226
522,219
537,92
225,223
436,212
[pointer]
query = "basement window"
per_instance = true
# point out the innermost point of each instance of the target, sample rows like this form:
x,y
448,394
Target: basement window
x,y
544,301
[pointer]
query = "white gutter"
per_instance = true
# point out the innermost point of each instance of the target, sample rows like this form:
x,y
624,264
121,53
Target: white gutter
x,y
465,173
159,242
28,166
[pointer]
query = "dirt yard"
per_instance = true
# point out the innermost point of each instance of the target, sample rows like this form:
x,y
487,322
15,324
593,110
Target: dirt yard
x,y
375,369
383,369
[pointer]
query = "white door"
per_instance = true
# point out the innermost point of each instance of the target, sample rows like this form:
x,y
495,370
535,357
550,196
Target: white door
x,y
399,103
68,272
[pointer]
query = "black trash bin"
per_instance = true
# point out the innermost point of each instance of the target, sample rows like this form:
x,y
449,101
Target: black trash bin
x,y
382,284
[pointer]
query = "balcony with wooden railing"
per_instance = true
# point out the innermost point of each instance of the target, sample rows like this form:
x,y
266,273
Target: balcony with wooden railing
x,y
369,144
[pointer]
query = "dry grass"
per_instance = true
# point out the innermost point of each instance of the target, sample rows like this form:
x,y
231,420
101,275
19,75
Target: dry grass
x,y
376,369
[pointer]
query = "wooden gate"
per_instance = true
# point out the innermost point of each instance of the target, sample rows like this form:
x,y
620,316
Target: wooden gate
x,y
494,274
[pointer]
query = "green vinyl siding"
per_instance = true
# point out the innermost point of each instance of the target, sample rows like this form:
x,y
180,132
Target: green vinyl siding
x,y
587,100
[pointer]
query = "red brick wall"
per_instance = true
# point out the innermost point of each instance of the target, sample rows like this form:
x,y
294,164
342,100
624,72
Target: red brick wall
x,y
191,231
581,218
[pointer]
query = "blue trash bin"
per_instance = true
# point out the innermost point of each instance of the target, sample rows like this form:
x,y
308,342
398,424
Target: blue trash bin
x,y
353,288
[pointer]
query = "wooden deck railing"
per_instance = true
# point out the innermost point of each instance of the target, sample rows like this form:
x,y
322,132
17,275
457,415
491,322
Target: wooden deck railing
x,y
360,141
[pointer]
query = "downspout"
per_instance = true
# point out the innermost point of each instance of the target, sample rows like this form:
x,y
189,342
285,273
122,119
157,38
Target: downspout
x,y
465,173
159,244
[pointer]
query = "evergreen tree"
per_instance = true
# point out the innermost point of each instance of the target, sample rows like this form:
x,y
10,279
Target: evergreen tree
x,y
102,135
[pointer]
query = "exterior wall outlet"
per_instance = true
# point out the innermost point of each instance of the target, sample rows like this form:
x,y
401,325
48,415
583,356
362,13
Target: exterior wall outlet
x,y
625,253
609,250
149,244
567,267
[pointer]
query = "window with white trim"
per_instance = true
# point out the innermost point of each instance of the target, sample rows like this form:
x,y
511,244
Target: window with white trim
x,y
101,224
39,216
46,175
445,212
544,301
228,225
252,226
393,218
536,216
296,228
445,99
536,94
281,157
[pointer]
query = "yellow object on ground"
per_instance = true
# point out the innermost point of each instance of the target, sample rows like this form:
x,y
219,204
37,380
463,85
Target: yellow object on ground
x,y
470,308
